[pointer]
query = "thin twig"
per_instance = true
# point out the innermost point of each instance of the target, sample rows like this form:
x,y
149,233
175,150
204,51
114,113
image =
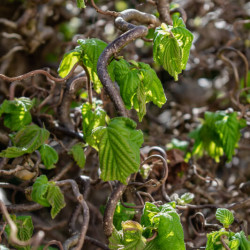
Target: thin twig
x,y
107,12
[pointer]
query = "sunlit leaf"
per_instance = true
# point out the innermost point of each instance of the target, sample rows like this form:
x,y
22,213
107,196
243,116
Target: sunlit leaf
x,y
26,141
118,146
78,154
224,216
16,112
49,156
80,4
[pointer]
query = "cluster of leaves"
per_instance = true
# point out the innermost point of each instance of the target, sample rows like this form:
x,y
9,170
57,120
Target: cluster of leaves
x,y
28,138
162,220
48,194
217,135
172,45
235,241
25,230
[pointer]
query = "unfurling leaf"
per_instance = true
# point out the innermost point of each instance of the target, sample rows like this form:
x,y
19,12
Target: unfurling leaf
x,y
81,4
48,194
218,135
139,85
25,229
55,199
26,141
172,45
16,113
224,216
93,116
49,156
78,154
118,146
166,222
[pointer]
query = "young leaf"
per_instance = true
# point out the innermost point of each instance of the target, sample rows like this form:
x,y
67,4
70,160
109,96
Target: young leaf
x,y
218,134
48,194
78,154
166,222
91,50
68,62
49,156
139,85
185,198
224,216
55,199
122,214
26,141
129,238
118,146
175,143
80,4
16,112
93,116
25,229
172,45
244,242
39,190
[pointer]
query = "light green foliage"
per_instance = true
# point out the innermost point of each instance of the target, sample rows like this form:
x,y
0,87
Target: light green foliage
x,y
218,135
2,247
80,4
48,194
93,116
165,220
185,198
224,216
49,156
55,199
69,60
175,143
172,45
118,146
129,238
16,113
122,214
214,242
77,152
244,242
26,141
87,53
139,85
25,229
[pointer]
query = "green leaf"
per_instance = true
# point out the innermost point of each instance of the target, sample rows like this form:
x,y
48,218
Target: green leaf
x,y
185,198
48,194
244,242
122,214
68,62
92,117
26,141
16,112
175,143
49,156
39,191
139,85
91,50
55,199
25,229
171,46
166,222
78,154
129,238
224,216
214,242
218,135
80,4
119,149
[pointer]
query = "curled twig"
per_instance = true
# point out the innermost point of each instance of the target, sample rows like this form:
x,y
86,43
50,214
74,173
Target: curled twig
x,y
107,12
37,72
85,208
